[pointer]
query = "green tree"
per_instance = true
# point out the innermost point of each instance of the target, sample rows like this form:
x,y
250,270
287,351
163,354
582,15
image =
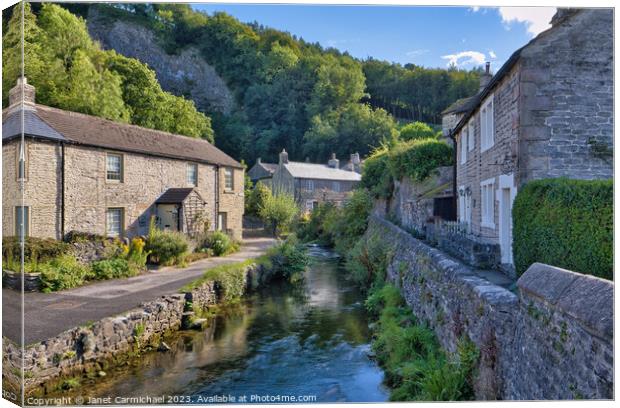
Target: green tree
x,y
278,212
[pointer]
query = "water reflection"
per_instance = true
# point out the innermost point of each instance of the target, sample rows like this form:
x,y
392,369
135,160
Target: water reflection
x,y
312,340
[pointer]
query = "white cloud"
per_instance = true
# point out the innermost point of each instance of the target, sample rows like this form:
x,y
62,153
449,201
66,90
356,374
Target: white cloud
x,y
415,53
536,19
465,58
474,9
492,54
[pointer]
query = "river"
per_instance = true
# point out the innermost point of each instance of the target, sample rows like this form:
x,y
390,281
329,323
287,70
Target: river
x,y
283,344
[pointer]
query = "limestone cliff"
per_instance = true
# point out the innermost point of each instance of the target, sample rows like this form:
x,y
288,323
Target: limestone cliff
x,y
185,74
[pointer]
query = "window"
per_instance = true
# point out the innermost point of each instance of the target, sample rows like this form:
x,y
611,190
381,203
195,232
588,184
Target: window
x,y
114,222
114,167
228,179
22,221
336,186
463,141
21,162
487,130
310,185
487,203
470,133
192,174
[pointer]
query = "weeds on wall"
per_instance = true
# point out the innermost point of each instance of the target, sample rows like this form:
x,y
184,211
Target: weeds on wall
x,y
416,368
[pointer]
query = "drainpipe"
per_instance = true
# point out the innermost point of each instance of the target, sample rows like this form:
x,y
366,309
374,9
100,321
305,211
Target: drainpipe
x,y
454,192
217,196
62,190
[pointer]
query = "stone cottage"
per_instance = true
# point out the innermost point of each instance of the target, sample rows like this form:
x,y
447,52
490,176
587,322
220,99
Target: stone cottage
x,y
548,112
78,172
262,172
312,183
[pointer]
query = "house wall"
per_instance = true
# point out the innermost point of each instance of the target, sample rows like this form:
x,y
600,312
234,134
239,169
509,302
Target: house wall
x,y
145,178
41,188
567,99
482,166
231,202
88,193
308,190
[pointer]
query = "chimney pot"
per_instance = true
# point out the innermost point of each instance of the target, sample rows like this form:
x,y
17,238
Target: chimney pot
x,y
333,162
283,157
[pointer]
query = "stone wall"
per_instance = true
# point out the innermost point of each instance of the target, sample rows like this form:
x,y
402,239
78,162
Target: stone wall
x,y
567,99
41,192
551,341
91,348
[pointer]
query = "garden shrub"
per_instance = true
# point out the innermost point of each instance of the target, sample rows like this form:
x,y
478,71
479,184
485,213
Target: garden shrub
x,y
113,269
38,249
346,226
220,243
565,223
418,159
80,236
312,226
166,247
416,367
63,272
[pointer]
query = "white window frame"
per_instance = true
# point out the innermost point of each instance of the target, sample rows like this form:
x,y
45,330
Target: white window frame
x,y
463,141
108,231
310,185
471,135
487,125
487,203
192,174
229,175
121,171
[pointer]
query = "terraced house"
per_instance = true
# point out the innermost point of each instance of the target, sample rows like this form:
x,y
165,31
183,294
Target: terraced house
x,y
314,183
82,173
547,113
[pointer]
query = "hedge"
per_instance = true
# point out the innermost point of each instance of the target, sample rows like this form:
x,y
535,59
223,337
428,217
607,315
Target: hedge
x,y
416,159
565,223
37,249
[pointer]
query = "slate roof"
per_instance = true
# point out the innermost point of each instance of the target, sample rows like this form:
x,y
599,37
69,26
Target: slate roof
x,y
57,124
174,195
459,106
320,172
268,167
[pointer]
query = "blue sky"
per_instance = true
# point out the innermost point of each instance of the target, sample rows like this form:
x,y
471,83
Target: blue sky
x,y
427,36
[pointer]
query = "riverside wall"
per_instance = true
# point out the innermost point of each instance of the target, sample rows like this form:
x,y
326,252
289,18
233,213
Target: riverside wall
x,y
552,339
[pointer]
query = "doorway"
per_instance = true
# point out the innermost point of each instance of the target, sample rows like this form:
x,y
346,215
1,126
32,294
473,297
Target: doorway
x,y
506,195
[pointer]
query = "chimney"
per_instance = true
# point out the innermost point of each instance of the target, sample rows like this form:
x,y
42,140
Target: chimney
x,y
283,157
562,14
258,161
485,77
355,162
307,159
15,94
334,163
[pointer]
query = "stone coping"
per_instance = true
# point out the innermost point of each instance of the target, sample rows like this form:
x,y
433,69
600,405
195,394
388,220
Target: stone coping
x,y
590,300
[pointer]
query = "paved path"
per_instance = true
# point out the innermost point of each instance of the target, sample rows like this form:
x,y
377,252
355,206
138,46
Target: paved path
x,y
48,314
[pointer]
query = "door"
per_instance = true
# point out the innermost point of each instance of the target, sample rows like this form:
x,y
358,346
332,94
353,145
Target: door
x,y
222,222
168,217
505,227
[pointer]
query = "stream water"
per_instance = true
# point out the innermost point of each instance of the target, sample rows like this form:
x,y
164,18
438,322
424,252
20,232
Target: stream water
x,y
303,344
